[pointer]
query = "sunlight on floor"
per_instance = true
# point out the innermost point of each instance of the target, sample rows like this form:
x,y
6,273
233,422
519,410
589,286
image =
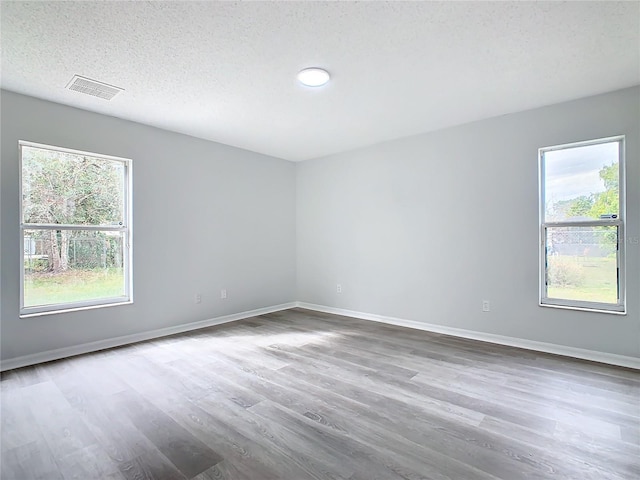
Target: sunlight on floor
x,y
294,339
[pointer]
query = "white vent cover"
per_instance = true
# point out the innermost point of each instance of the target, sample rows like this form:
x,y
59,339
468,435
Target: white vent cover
x,y
93,87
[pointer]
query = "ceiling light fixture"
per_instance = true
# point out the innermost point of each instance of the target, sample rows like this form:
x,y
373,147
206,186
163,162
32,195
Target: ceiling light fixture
x,y
313,77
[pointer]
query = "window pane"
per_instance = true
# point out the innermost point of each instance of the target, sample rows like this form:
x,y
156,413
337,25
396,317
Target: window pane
x,y
582,263
63,266
581,183
72,189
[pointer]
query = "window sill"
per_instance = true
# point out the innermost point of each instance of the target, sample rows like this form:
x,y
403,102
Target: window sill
x,y
27,314
583,309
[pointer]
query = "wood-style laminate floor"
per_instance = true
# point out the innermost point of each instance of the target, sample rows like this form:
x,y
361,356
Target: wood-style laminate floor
x,y
301,395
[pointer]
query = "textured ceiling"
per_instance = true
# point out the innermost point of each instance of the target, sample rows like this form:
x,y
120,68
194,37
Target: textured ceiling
x,y
226,71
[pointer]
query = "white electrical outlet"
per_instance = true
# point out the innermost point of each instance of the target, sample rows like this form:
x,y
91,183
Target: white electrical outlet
x,y
223,294
338,288
486,306
198,298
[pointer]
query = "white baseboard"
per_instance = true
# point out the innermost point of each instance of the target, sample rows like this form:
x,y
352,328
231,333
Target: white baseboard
x,y
59,353
602,357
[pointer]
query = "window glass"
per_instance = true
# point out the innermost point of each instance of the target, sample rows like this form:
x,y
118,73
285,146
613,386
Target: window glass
x,y
581,263
581,183
65,188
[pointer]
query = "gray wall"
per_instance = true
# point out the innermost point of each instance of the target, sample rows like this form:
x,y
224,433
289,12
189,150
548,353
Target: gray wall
x,y
425,228
421,228
206,216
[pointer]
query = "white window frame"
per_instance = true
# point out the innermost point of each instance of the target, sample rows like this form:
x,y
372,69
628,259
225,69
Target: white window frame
x,y
619,222
125,229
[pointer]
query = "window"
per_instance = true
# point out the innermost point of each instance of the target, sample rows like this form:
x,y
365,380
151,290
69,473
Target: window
x,y
582,225
75,227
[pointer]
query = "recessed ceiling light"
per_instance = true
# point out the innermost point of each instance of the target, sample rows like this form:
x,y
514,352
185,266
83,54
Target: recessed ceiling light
x,y
313,77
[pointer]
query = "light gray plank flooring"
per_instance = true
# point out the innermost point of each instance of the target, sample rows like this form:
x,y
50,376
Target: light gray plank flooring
x,y
300,395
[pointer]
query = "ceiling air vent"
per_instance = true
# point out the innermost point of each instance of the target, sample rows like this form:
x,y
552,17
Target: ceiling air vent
x,y
93,87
